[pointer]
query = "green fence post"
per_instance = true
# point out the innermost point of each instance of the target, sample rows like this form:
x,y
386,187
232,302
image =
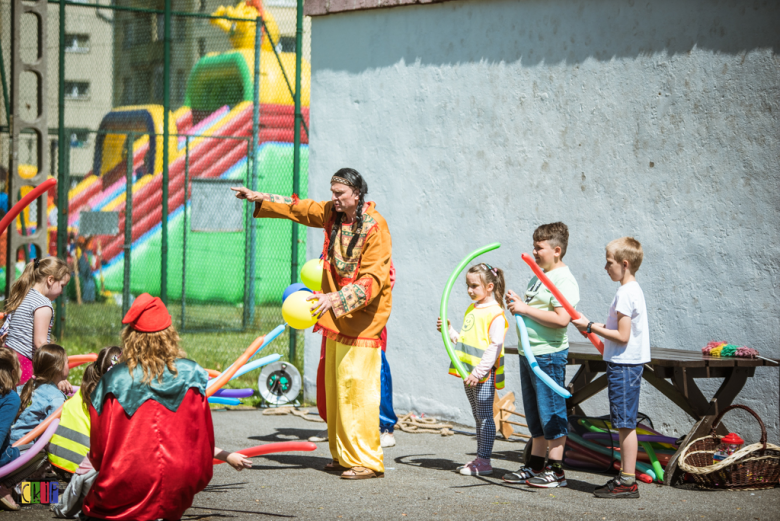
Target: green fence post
x,y
130,138
184,233
6,100
166,117
253,176
62,174
296,155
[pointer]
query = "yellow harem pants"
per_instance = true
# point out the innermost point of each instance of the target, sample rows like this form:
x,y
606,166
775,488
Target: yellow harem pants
x,y
352,390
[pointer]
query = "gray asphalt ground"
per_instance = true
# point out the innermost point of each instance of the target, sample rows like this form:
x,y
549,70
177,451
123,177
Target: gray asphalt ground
x,y
420,484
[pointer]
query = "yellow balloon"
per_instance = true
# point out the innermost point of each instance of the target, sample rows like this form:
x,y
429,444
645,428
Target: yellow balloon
x,y
311,274
296,310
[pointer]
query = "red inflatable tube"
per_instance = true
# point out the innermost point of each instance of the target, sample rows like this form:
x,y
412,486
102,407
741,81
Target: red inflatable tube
x,y
24,202
77,360
559,296
273,448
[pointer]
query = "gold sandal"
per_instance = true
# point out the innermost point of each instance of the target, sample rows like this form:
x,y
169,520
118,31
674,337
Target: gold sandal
x,y
335,466
361,473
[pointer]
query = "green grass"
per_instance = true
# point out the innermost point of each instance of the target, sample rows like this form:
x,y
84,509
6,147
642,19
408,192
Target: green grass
x,y
91,327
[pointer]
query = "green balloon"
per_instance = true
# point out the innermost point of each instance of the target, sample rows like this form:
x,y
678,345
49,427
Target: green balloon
x,y
445,335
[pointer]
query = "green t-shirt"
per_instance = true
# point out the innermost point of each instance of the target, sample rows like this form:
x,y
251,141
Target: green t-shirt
x,y
545,340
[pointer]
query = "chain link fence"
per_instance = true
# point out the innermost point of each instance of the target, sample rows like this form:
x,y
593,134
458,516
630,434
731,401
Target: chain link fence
x,y
129,68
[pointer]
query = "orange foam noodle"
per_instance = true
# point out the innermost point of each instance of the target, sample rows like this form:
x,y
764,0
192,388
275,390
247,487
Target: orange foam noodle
x,y
225,377
77,360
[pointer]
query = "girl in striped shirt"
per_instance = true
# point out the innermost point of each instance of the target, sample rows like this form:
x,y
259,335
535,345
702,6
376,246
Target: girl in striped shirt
x,y
30,311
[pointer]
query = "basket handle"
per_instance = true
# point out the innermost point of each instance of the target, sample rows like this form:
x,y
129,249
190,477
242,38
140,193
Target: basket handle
x,y
744,408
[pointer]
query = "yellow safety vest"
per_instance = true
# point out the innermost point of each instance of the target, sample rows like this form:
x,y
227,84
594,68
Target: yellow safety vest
x,y
70,443
475,339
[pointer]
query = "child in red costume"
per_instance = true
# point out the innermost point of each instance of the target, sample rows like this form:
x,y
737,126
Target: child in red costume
x,y
151,439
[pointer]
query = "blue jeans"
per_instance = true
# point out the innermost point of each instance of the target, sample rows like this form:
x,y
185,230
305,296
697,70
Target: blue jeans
x,y
545,411
387,417
623,385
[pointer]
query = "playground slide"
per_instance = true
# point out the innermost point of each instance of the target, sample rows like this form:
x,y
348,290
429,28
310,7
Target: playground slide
x,y
222,154
275,161
115,195
91,185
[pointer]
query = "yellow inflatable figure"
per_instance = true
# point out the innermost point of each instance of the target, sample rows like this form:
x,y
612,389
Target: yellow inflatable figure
x,y
273,88
242,34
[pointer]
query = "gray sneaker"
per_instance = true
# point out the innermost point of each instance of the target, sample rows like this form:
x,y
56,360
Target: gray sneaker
x,y
320,436
521,476
548,479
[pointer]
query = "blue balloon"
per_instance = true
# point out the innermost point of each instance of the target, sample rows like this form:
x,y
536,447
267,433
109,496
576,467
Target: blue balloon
x,y
544,377
292,288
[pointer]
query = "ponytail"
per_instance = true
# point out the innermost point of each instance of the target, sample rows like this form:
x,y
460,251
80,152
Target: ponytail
x,y
106,359
35,271
49,362
490,275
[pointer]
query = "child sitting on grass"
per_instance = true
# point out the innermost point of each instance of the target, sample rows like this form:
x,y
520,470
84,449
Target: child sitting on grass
x,y
626,350
70,444
41,395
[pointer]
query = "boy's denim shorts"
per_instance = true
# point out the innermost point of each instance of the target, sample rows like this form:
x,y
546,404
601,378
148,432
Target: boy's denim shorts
x,y
545,411
623,384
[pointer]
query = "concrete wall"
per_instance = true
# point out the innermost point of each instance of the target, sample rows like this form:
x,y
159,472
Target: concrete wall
x,y
476,121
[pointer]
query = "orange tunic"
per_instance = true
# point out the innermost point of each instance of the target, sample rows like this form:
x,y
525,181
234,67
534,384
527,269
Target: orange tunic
x,y
358,285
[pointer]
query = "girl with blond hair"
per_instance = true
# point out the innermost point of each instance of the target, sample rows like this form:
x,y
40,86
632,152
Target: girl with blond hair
x,y
30,311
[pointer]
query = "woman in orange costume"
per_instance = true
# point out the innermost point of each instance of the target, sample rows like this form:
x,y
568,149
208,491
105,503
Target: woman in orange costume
x,y
353,308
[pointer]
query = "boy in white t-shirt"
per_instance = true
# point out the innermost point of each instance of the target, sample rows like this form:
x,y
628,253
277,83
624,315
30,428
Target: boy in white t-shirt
x,y
626,350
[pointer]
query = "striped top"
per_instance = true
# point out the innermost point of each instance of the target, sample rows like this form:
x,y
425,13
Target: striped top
x,y
20,331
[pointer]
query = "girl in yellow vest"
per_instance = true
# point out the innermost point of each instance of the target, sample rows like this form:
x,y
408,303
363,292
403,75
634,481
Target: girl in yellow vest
x,y
480,348
70,444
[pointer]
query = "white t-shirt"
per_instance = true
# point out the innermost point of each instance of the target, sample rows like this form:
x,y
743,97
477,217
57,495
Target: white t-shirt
x,y
630,301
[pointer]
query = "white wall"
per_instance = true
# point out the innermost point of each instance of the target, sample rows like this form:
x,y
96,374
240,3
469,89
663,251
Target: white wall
x,y
476,121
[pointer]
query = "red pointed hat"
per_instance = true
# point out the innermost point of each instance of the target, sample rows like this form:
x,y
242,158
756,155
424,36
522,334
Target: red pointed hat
x,y
148,314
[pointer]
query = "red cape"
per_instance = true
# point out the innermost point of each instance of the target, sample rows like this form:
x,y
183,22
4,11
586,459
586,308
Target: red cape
x,y
150,464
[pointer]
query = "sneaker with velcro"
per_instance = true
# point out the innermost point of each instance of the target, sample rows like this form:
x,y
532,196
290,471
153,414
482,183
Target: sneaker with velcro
x,y
520,476
548,479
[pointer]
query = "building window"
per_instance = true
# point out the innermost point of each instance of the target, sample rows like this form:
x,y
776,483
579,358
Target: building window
x,y
201,47
77,90
158,82
181,86
287,44
179,26
128,33
158,28
77,43
79,137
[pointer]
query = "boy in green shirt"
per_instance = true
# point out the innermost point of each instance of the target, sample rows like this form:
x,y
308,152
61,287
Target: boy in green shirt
x,y
546,321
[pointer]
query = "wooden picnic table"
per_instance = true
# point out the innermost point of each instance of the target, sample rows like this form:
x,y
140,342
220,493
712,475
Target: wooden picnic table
x,y
673,372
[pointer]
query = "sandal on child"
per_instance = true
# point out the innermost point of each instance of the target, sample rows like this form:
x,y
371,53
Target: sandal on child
x,y
361,473
334,466
10,505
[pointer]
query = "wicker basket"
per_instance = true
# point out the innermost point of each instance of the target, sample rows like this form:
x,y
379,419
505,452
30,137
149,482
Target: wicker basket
x,y
755,466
